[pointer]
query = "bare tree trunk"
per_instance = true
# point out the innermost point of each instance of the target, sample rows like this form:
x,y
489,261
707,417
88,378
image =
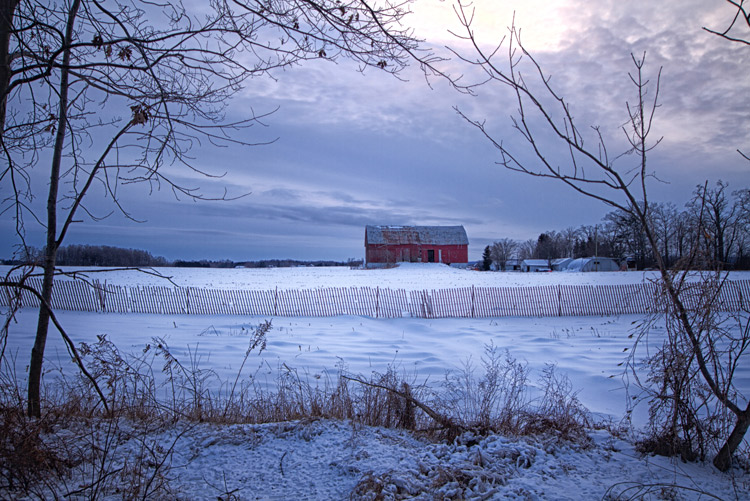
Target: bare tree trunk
x,y
723,459
7,8
50,253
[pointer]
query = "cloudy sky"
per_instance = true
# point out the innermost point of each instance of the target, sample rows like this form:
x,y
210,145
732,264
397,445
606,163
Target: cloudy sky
x,y
353,149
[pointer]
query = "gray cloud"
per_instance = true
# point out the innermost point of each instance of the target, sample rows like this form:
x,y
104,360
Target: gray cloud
x,y
358,149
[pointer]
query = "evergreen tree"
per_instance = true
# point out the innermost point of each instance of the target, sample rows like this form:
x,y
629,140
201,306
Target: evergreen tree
x,y
486,259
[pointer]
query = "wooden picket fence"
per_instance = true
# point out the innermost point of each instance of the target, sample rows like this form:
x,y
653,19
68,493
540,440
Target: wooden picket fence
x,y
377,302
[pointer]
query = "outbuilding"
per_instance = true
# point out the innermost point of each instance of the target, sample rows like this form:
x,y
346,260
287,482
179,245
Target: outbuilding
x,y
561,263
387,245
593,264
535,265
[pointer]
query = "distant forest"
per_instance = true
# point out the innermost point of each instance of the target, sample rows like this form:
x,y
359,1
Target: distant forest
x,y
104,255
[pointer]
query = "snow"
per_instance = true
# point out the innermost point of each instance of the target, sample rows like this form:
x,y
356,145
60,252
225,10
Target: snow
x,y
327,459
587,349
337,460
324,460
408,276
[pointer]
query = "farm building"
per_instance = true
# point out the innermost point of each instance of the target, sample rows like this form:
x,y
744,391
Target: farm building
x,y
386,245
513,264
535,265
592,264
561,263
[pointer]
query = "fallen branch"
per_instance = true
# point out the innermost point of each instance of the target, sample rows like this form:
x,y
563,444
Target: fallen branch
x,y
443,421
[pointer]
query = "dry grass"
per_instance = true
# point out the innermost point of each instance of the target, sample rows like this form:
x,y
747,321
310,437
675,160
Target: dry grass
x,y
30,454
77,438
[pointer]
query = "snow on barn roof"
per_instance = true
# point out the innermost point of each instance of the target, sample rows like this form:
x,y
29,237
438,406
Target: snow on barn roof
x,y
426,235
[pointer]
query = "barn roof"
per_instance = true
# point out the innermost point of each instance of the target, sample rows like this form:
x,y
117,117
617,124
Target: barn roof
x,y
536,262
425,235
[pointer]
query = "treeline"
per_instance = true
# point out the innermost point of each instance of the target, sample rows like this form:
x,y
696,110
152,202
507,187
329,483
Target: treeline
x,y
93,255
712,230
265,263
104,255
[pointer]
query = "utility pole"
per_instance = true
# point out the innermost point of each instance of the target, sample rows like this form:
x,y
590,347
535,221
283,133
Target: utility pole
x,y
596,247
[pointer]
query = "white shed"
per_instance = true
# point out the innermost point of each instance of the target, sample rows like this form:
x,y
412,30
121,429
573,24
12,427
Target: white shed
x,y
535,265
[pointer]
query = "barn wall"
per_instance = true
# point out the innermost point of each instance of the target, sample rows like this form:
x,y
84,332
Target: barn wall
x,y
416,253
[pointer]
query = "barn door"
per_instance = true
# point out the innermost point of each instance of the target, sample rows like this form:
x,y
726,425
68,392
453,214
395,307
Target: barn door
x,y
431,255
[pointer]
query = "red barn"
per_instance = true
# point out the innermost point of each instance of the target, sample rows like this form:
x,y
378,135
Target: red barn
x,y
386,245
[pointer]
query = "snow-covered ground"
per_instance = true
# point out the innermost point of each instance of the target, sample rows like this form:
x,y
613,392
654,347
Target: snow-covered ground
x,y
334,460
587,349
326,460
409,276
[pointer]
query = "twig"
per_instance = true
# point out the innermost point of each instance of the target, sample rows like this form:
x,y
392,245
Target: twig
x,y
642,489
281,463
93,484
163,460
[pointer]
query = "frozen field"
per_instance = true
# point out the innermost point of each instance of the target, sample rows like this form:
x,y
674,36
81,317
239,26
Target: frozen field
x,y
589,350
406,276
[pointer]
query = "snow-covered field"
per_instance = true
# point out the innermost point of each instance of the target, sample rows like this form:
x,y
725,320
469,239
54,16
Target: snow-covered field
x,y
407,276
326,460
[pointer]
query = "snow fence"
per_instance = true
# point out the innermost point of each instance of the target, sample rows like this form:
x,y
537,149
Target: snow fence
x,y
377,302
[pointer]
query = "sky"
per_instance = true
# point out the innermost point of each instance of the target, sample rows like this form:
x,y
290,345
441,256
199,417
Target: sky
x,y
350,149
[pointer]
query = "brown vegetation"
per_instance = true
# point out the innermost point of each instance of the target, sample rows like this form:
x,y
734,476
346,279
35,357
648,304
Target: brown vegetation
x,y
78,435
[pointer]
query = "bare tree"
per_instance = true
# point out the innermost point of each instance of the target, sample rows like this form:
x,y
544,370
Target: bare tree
x,y
743,207
742,199
738,31
115,92
715,220
502,251
586,241
568,238
619,181
629,235
526,249
682,234
664,220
